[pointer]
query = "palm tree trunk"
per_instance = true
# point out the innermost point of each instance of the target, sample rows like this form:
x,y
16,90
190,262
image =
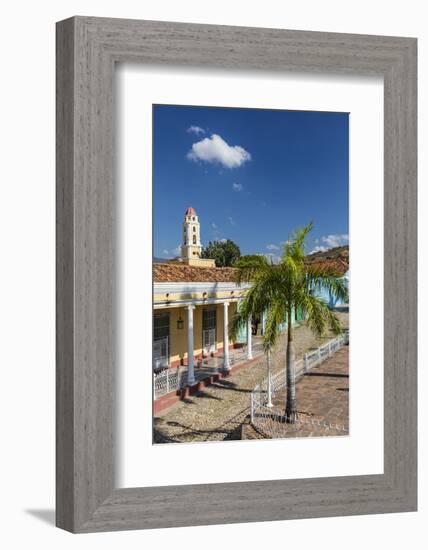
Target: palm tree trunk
x,y
290,409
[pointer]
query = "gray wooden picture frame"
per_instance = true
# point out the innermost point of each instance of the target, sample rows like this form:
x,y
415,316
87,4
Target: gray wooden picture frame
x,y
87,50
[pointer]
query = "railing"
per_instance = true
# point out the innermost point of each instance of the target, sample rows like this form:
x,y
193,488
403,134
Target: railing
x,y
314,358
275,426
270,423
166,381
172,379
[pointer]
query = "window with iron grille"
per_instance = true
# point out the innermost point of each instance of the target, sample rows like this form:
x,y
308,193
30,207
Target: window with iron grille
x,y
209,321
209,318
160,340
160,325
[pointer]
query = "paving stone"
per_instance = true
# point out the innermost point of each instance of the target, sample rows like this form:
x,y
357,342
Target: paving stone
x,y
221,411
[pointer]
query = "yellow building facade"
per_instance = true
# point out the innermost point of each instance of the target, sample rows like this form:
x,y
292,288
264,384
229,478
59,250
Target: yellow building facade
x,y
206,341
193,308
194,302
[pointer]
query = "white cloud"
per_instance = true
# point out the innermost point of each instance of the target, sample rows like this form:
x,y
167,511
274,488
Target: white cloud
x,y
231,220
318,248
223,240
237,187
332,241
215,150
273,258
215,231
195,130
172,253
272,247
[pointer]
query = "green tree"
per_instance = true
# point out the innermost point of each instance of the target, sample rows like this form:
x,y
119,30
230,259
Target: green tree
x,y
279,290
249,258
225,253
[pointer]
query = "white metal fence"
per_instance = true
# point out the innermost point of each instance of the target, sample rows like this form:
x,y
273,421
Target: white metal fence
x,y
172,379
166,381
274,425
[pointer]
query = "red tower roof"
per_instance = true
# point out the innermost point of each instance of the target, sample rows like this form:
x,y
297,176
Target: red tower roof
x,y
190,211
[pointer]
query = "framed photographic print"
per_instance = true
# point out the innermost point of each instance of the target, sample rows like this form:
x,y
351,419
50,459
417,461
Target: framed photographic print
x,y
236,274
232,292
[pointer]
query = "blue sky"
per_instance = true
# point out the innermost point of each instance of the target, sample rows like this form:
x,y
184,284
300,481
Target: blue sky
x,y
252,175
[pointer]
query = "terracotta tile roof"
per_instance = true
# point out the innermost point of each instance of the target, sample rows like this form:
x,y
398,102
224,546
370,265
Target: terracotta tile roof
x,y
175,272
334,265
190,211
336,259
180,273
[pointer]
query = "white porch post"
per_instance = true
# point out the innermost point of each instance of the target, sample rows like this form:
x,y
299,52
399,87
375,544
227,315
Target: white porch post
x,y
226,364
263,323
269,382
190,358
249,339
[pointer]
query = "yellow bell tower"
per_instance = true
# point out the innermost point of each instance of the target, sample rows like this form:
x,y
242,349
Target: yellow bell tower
x,y
191,247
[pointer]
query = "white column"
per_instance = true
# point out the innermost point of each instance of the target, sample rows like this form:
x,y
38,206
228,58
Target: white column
x,y
226,363
263,323
190,358
249,339
269,382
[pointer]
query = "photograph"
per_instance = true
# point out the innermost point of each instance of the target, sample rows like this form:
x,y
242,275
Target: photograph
x,y
188,187
186,190
250,274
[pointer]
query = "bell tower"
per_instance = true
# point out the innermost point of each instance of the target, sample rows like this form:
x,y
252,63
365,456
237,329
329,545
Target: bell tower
x,y
191,236
191,247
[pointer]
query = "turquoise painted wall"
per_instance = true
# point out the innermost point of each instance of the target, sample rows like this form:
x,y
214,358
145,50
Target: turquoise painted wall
x,y
332,302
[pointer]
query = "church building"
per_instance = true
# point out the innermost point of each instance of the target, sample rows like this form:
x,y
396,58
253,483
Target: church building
x,y
193,303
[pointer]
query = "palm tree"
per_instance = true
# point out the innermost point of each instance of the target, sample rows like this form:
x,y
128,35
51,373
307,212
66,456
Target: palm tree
x,y
279,290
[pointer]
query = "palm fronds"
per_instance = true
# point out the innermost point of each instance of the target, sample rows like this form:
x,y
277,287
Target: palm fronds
x,y
277,290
